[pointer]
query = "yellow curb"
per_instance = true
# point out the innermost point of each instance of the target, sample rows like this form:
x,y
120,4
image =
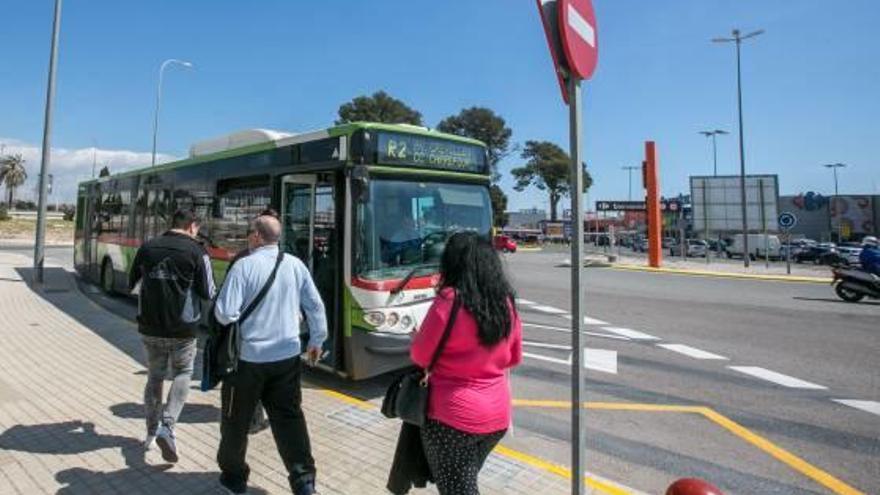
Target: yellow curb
x,y
530,460
707,273
794,462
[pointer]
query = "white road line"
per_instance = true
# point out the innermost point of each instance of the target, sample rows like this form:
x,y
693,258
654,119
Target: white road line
x,y
546,346
870,406
549,309
628,332
602,360
581,26
568,330
777,378
691,351
587,320
547,358
525,302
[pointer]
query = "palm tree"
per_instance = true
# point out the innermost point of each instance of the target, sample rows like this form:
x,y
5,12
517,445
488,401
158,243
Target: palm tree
x,y
13,174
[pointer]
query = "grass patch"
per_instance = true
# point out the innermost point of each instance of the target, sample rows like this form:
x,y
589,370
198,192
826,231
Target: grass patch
x,y
57,231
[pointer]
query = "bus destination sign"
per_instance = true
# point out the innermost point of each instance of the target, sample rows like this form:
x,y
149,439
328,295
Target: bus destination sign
x,y
422,151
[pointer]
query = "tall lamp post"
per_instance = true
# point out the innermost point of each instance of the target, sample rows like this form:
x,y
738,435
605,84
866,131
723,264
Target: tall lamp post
x,y
159,99
712,134
629,196
738,39
834,167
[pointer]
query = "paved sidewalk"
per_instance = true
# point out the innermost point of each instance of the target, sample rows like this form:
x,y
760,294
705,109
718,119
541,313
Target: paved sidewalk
x,y
71,420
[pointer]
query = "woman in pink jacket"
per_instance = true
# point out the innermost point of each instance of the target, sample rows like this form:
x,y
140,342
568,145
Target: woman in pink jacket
x,y
469,407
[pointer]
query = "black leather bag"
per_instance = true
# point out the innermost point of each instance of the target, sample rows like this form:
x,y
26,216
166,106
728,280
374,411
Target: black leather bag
x,y
223,345
407,396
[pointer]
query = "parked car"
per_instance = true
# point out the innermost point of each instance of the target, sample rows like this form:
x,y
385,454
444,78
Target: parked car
x,y
641,245
504,243
850,251
695,248
820,254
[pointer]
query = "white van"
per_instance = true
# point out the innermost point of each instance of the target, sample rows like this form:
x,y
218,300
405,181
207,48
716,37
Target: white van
x,y
760,246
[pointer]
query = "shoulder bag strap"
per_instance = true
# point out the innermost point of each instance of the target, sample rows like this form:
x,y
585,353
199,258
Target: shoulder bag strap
x,y
265,290
456,305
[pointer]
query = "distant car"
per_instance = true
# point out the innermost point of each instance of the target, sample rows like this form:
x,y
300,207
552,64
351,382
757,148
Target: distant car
x,y
504,244
695,248
667,241
640,245
850,251
820,254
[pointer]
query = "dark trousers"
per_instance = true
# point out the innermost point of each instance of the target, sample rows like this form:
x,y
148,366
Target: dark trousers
x,y
277,385
456,457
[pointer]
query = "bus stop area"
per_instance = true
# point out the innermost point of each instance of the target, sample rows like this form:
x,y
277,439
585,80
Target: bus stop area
x,y
72,421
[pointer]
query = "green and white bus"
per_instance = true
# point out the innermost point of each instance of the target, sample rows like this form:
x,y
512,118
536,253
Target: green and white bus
x,y
367,207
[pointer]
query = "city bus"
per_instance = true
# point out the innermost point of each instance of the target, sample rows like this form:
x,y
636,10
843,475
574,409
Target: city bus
x,y
366,206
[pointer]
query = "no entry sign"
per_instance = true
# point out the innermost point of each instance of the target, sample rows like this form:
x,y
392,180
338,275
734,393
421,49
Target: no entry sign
x,y
577,27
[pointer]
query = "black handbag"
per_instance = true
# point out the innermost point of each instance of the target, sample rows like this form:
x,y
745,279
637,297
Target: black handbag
x,y
407,396
223,345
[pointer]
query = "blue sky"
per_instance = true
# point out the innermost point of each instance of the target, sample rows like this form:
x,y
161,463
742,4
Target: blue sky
x,y
810,83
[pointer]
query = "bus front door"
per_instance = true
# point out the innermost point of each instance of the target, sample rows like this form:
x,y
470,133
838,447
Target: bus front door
x,y
308,217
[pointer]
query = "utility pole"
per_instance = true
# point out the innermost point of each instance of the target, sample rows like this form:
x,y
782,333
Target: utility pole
x,y
712,134
47,152
834,167
738,39
629,196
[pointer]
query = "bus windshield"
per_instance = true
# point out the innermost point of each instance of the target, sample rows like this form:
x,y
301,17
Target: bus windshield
x,y
405,224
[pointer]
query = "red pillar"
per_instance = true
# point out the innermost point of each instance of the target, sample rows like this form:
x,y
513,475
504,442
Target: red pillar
x,y
652,202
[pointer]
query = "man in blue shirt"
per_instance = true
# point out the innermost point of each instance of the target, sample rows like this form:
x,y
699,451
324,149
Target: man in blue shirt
x,y
870,257
269,368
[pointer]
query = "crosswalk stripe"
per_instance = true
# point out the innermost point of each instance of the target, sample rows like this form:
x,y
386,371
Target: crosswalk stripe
x,y
870,406
691,351
777,378
568,330
549,309
628,332
525,302
603,360
588,320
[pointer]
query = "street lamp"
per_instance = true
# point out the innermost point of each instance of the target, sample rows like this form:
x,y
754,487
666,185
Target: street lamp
x,y
738,39
630,170
834,167
159,99
712,134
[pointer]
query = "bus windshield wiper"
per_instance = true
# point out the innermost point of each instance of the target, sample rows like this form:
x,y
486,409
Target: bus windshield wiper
x,y
399,288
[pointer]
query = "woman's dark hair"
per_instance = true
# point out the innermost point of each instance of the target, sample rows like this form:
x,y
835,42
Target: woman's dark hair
x,y
471,266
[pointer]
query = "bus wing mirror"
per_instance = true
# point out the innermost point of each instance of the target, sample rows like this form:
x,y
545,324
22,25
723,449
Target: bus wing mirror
x,y
360,182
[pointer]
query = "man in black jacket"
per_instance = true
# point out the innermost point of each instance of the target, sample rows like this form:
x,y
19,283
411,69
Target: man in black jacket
x,y
174,272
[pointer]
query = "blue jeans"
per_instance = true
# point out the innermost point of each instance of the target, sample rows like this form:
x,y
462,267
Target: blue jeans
x,y
179,353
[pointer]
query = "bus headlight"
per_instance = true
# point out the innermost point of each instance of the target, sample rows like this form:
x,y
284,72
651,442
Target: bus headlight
x,y
375,318
392,319
406,322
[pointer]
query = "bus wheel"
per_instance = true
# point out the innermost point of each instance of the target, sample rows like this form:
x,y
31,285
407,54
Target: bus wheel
x,y
107,277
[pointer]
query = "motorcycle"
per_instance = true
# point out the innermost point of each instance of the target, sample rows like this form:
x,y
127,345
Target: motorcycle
x,y
853,285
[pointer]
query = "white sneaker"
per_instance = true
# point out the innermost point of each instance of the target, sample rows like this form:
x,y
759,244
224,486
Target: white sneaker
x,y
150,442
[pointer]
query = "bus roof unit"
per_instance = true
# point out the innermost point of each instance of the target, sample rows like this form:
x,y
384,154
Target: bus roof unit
x,y
235,140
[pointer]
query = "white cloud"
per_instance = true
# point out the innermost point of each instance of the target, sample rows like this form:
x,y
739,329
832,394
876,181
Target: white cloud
x,y
71,166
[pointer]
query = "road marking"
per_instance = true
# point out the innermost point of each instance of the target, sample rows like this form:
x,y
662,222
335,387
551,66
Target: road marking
x,y
870,406
568,330
628,332
547,346
581,26
691,351
525,302
818,475
600,360
539,357
777,378
549,309
588,320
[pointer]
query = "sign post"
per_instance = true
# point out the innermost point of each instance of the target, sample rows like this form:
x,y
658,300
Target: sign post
x,y
787,221
570,26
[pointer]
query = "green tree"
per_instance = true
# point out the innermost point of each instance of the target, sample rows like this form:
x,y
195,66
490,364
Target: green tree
x,y
380,107
485,125
13,174
547,168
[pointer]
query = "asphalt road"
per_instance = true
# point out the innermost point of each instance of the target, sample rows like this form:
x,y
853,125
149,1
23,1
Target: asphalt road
x,y
825,349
